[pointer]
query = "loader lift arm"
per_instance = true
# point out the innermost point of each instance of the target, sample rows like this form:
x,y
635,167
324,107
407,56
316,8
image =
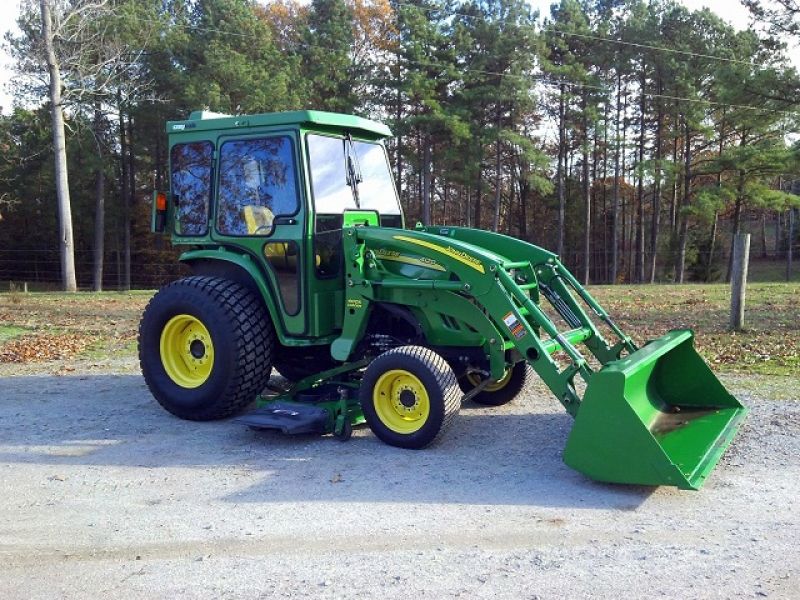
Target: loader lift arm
x,y
496,294
652,415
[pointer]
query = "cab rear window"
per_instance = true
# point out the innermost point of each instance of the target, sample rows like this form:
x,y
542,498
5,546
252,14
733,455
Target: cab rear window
x,y
190,165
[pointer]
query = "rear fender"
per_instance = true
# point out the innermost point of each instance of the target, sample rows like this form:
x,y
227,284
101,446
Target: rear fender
x,y
244,271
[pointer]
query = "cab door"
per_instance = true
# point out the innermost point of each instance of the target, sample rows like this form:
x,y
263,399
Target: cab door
x,y
259,210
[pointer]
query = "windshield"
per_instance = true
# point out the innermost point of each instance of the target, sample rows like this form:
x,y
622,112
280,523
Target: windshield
x,y
350,174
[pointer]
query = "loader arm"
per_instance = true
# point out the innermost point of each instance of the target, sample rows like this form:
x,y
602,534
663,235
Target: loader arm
x,y
494,284
653,415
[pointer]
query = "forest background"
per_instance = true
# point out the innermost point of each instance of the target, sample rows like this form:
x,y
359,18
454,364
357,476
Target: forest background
x,y
633,138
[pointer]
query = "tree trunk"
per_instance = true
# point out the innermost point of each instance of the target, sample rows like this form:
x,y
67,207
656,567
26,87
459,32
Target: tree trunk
x,y
673,205
593,199
399,142
160,167
683,229
640,192
65,242
99,205
523,197
624,204
713,237
737,210
131,158
497,179
426,181
711,243
468,216
445,194
587,199
615,241
126,201
604,272
562,155
419,176
656,217
479,190
131,162
764,252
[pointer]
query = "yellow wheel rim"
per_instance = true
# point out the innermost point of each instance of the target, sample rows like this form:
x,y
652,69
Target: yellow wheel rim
x,y
187,352
475,380
401,401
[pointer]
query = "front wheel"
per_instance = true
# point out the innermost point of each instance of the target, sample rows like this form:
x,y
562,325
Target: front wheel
x,y
499,392
409,396
205,347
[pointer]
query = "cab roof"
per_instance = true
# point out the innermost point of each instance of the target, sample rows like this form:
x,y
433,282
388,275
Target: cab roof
x,y
202,120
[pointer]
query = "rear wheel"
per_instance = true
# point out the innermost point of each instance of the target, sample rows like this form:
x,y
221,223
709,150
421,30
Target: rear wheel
x,y
409,396
205,347
499,392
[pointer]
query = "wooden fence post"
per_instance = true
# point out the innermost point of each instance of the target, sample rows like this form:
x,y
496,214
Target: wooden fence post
x,y
741,257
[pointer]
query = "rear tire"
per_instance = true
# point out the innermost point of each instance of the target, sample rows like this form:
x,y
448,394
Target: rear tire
x,y
501,392
409,396
205,347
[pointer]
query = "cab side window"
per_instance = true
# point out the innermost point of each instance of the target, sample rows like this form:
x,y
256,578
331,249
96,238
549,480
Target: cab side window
x,y
328,245
257,183
191,186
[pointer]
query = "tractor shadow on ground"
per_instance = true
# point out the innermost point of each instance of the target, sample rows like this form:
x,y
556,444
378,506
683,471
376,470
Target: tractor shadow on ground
x,y
494,456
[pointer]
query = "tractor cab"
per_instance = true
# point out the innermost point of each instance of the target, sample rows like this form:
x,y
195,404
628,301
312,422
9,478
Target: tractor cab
x,y
271,192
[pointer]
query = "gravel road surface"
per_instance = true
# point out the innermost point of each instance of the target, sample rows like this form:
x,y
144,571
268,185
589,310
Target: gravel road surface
x,y
105,495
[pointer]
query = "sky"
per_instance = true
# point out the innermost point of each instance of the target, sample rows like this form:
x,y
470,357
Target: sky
x,y
730,10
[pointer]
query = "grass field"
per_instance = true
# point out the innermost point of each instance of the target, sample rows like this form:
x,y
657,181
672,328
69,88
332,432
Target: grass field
x,y
68,331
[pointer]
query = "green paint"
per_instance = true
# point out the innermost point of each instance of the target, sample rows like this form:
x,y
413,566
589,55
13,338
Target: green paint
x,y
202,121
656,416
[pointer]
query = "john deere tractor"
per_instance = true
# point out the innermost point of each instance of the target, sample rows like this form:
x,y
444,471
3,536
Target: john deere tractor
x,y
301,262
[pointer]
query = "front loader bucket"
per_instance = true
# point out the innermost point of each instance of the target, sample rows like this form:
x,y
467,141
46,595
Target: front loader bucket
x,y
656,417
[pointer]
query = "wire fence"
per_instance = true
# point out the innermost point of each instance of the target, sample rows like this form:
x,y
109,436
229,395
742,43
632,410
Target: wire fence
x,y
40,269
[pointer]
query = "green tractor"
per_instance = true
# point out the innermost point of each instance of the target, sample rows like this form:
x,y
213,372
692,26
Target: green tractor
x,y
301,262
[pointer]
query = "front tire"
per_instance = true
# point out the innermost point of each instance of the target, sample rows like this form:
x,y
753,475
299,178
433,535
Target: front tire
x,y
205,347
500,392
409,396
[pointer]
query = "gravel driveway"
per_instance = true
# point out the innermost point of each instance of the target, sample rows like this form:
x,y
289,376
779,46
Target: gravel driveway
x,y
106,495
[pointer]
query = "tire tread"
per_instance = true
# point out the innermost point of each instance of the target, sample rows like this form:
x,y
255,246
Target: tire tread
x,y
445,380
253,334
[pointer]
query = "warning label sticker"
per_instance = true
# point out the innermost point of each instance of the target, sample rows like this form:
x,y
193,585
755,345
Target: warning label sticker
x,y
513,324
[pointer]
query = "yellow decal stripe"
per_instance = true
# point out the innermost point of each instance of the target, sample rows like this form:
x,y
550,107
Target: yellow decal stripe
x,y
461,257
